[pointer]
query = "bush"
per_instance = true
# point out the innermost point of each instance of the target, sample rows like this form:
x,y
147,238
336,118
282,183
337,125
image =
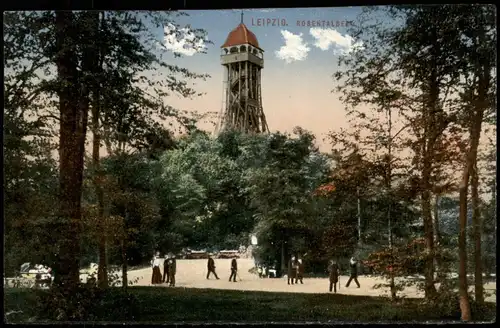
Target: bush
x,y
401,261
447,304
114,277
60,305
86,303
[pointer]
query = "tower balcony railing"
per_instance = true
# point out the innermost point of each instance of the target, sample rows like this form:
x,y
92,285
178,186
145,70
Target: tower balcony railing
x,y
242,57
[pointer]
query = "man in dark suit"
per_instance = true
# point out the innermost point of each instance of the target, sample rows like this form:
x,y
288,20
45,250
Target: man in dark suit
x,y
172,270
354,272
234,270
292,270
211,267
333,270
300,271
165,269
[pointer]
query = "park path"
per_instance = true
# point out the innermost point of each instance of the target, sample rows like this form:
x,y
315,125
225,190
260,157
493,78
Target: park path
x,y
192,274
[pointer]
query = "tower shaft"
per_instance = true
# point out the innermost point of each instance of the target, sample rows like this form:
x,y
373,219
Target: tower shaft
x,y
243,98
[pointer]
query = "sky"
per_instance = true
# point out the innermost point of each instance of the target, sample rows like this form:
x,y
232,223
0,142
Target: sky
x,y
299,62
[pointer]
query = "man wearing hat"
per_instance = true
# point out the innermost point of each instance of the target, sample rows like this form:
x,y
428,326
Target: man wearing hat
x,y
172,268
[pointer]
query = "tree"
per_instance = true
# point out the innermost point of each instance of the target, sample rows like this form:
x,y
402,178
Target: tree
x,y
125,100
208,192
102,66
429,85
478,99
281,192
30,174
488,208
406,62
374,132
73,107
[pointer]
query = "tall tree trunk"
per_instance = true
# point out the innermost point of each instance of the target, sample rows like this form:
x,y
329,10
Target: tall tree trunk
x,y
494,193
73,121
437,232
430,288
73,108
283,256
359,217
462,246
483,72
102,273
437,236
389,207
435,122
124,248
475,134
392,283
476,221
124,263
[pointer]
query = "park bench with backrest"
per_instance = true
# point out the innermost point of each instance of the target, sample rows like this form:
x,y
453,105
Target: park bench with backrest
x,y
228,254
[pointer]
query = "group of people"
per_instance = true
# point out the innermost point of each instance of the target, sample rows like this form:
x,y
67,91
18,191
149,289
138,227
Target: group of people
x,y
295,271
211,269
265,272
169,270
334,273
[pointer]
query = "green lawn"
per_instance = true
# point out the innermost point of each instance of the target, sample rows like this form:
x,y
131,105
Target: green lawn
x,y
146,304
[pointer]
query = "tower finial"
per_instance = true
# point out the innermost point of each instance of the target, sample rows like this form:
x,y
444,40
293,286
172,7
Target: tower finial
x,y
242,17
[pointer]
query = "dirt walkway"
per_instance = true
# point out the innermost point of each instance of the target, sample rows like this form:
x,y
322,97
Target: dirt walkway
x,y
192,274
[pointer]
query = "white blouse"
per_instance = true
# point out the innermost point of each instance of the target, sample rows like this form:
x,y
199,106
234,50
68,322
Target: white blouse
x,y
156,262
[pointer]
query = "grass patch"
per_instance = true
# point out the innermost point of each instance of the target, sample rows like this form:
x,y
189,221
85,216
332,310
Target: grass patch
x,y
147,304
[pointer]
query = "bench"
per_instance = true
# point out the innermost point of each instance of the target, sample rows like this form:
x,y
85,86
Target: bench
x,y
10,282
18,282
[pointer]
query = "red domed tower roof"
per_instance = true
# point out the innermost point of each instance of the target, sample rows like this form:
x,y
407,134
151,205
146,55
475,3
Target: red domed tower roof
x,y
241,35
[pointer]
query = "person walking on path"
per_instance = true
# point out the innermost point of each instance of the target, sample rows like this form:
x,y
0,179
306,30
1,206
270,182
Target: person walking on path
x,y
333,270
156,276
292,270
211,267
300,271
172,270
165,269
353,264
234,270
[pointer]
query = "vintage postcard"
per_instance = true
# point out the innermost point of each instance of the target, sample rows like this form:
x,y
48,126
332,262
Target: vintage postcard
x,y
331,165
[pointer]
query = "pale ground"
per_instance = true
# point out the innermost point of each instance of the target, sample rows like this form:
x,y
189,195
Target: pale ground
x,y
192,274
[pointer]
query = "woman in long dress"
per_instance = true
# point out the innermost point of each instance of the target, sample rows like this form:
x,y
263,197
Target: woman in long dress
x,y
156,277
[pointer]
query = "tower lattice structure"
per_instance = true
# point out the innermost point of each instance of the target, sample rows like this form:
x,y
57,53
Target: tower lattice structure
x,y
243,61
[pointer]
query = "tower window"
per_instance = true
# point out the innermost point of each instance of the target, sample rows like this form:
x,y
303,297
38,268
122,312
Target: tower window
x,y
226,51
233,50
255,52
243,48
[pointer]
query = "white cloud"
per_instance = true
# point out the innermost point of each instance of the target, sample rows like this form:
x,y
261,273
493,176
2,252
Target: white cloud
x,y
182,41
329,38
294,49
